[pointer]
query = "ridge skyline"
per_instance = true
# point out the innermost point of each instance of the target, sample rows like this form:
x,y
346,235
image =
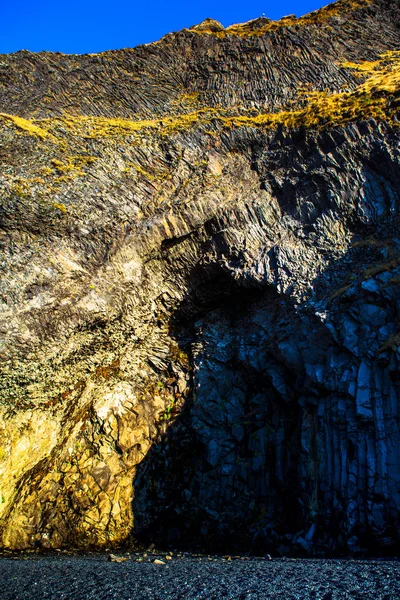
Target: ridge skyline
x,y
41,31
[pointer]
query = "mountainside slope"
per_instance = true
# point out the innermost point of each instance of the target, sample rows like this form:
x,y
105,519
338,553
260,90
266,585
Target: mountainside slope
x,y
260,64
200,288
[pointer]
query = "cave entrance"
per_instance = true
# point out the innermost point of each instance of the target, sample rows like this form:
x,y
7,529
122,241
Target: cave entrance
x,y
227,473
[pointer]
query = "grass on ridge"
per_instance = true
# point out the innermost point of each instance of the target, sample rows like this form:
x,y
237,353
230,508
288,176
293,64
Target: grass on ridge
x,y
377,96
258,27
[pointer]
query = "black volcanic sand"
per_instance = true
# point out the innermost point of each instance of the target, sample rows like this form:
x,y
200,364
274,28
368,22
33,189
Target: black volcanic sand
x,y
71,577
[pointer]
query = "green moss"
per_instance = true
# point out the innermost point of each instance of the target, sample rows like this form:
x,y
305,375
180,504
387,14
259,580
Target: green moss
x,y
393,281
167,413
365,243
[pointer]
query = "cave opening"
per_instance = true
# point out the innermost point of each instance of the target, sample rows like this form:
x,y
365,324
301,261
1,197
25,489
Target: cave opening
x,y
227,473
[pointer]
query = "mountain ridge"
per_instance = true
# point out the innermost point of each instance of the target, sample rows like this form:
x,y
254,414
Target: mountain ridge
x,y
152,80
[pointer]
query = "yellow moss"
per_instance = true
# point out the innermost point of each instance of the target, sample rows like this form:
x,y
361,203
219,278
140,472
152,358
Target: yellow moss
x,y
47,171
97,127
375,269
369,99
155,174
144,172
25,125
70,168
377,96
102,127
368,66
364,67
63,167
20,188
189,99
60,207
252,28
179,355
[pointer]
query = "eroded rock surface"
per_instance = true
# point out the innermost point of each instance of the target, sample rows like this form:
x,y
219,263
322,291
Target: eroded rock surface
x,y
200,292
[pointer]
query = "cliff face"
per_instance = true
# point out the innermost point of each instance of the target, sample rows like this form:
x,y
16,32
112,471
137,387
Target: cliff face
x,y
200,288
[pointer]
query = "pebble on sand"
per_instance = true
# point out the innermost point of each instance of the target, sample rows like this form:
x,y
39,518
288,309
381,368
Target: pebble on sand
x,y
117,559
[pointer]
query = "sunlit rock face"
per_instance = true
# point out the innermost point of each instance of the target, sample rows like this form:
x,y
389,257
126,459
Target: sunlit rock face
x,y
200,289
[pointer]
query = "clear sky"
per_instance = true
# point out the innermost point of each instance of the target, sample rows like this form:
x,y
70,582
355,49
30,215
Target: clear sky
x,y
80,26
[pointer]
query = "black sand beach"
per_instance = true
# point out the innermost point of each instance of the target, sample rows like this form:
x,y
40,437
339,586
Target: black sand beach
x,y
68,577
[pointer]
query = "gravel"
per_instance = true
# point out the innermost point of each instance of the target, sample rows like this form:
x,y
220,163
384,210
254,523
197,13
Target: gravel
x,y
71,577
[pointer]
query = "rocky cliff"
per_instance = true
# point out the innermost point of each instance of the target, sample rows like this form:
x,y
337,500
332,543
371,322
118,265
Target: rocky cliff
x,y
200,288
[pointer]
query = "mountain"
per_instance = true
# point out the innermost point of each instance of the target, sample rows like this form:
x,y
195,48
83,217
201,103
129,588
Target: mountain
x,y
200,289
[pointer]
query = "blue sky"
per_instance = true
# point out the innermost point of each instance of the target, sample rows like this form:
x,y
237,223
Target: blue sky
x,y
80,26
